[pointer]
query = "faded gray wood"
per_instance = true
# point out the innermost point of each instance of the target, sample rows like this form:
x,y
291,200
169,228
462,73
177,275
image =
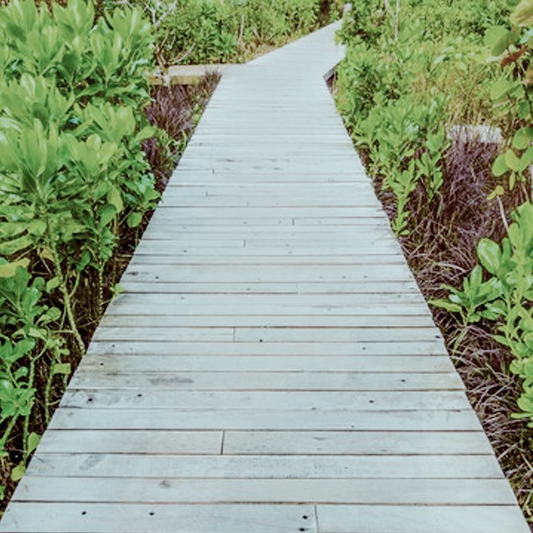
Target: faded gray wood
x,y
273,400
419,519
142,517
270,467
165,320
272,366
182,419
143,361
208,490
240,381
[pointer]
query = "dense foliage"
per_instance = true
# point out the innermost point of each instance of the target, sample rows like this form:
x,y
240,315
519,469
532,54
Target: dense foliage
x,y
73,176
437,97
218,31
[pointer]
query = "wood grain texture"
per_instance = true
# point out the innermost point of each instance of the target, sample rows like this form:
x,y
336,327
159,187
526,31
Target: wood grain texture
x,y
272,366
194,419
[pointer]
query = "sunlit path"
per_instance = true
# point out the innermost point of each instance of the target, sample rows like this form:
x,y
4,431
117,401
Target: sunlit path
x,y
272,367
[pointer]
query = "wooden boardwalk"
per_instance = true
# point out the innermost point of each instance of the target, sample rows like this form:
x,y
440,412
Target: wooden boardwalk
x,y
273,367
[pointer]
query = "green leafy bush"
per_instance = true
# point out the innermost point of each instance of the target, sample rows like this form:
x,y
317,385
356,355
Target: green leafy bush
x,y
505,297
218,31
73,179
401,87
500,289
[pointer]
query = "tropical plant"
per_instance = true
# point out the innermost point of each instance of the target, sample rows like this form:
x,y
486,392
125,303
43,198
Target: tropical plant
x,y
73,177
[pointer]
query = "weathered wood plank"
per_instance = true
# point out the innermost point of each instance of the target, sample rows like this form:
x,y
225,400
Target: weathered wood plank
x,y
172,491
163,232
307,249
288,350
91,378
208,249
182,419
134,286
267,467
312,321
419,519
179,258
260,213
359,443
139,517
258,399
141,360
267,335
175,334
169,304
376,303
243,200
274,273
133,441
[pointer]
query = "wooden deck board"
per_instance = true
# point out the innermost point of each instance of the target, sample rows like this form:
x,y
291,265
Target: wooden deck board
x,y
308,381
272,366
283,490
145,359
271,467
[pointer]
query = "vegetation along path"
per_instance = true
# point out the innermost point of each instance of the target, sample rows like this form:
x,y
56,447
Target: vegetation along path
x,y
272,366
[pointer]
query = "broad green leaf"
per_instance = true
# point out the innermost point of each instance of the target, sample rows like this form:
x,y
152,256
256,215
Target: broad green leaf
x,y
526,159
37,227
496,39
50,316
114,197
446,304
145,133
489,255
61,368
526,404
33,442
522,139
34,150
9,269
524,108
502,340
84,260
15,245
476,277
8,230
18,472
500,88
134,219
101,190
512,161
107,214
491,314
117,290
499,167
52,284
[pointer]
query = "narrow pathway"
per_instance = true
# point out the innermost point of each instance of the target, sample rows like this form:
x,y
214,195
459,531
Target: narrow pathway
x,y
273,367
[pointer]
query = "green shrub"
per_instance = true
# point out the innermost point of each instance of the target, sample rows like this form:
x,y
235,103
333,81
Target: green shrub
x,y
73,178
218,31
410,73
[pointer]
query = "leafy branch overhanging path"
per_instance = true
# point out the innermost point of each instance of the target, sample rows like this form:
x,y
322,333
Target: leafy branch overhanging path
x,y
273,367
